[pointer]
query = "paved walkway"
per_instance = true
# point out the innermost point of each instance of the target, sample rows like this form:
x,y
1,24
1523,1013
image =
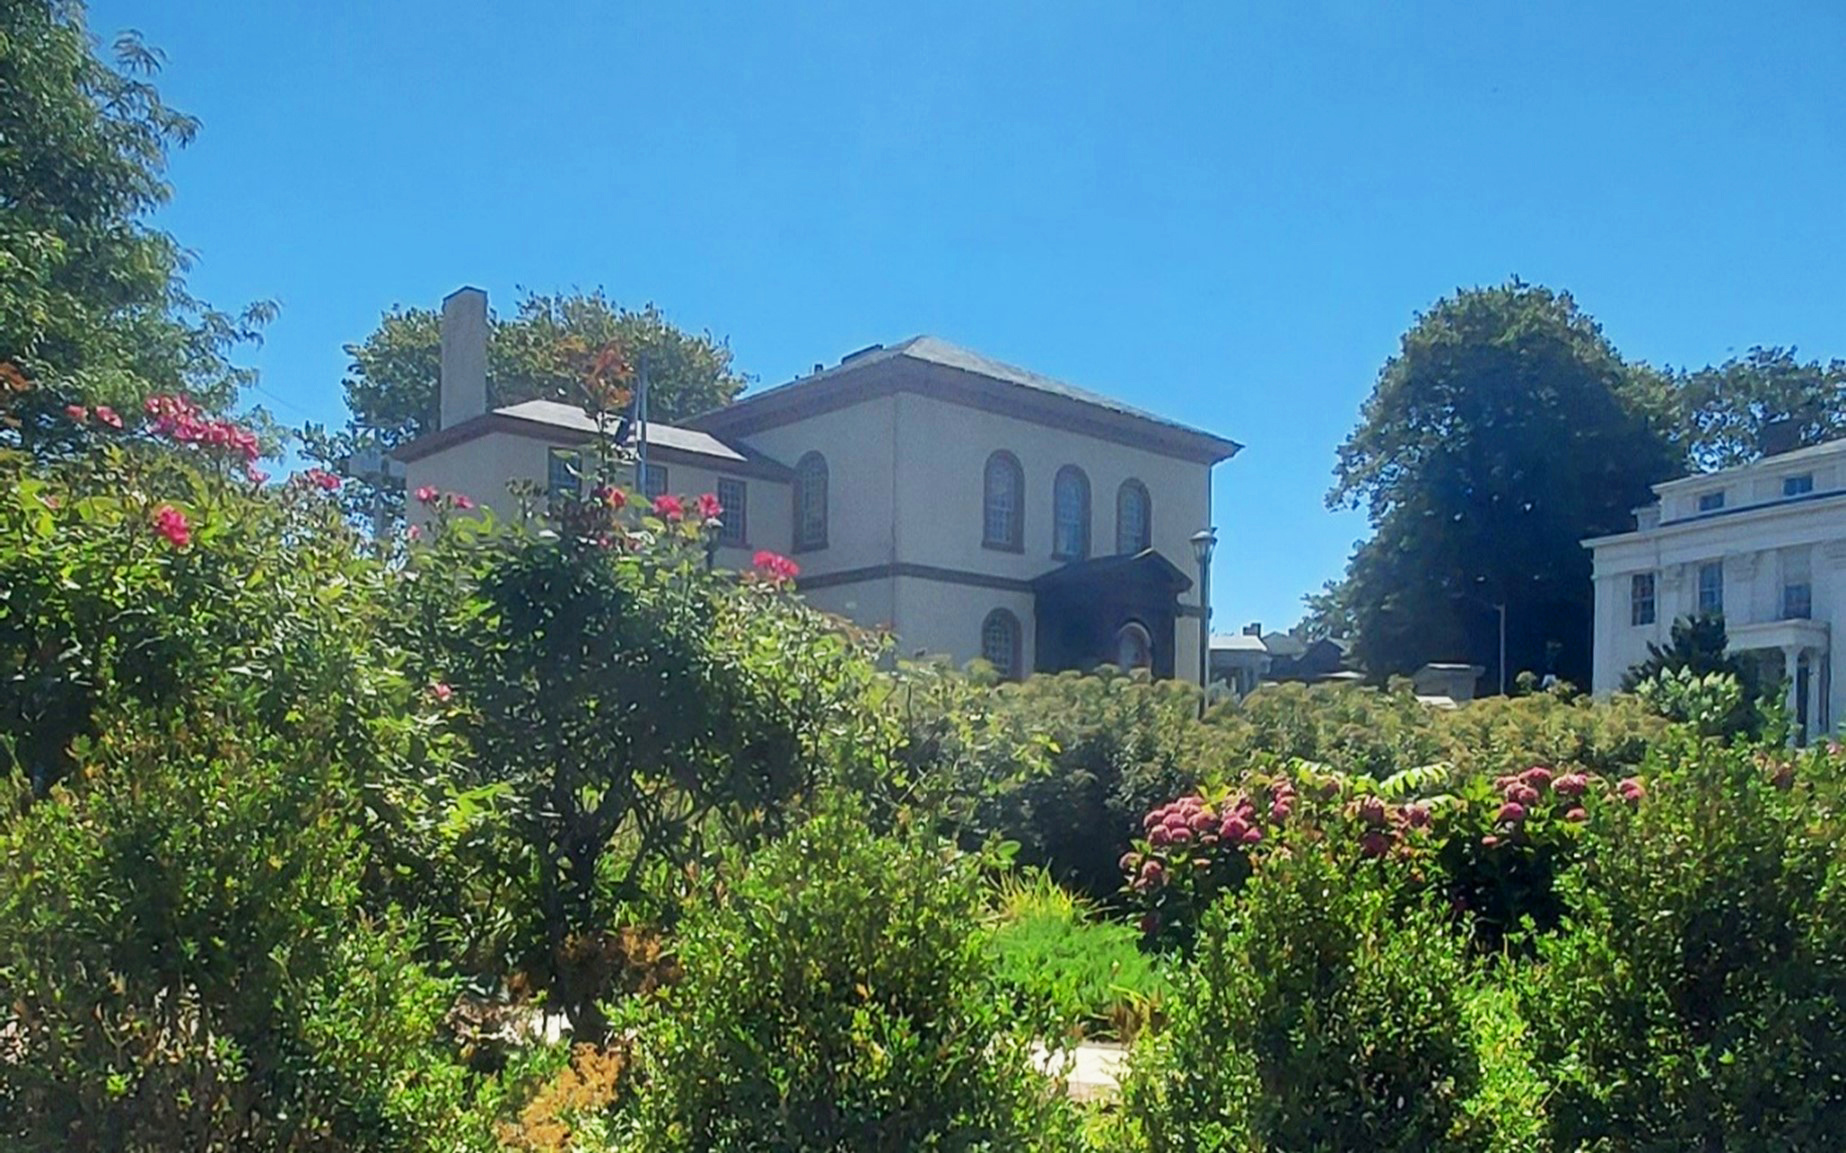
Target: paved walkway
x,y
1092,1071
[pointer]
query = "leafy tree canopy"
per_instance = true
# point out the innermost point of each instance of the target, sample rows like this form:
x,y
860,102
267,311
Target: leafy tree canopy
x,y
1505,431
93,303
1764,402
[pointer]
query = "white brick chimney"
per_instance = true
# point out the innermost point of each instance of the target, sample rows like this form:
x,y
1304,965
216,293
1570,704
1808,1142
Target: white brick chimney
x,y
463,385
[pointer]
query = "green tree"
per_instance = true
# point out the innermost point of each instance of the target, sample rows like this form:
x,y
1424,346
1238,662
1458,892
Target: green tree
x,y
1505,431
1763,402
93,303
1697,645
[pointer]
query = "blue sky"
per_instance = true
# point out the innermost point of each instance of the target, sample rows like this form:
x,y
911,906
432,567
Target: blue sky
x,y
1227,212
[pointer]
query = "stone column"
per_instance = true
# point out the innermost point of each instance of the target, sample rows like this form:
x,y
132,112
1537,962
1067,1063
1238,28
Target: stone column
x,y
1815,708
1791,664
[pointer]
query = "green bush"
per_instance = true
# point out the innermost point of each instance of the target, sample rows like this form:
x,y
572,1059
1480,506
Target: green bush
x,y
837,996
1699,999
1319,1014
624,710
1071,974
188,960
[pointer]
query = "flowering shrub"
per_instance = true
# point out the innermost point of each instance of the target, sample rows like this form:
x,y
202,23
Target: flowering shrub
x,y
1492,848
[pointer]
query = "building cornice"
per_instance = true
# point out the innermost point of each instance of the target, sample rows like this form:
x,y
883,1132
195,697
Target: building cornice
x,y
1729,518
856,384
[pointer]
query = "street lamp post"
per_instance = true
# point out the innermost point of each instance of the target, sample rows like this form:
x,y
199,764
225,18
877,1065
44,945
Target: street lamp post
x,y
1203,542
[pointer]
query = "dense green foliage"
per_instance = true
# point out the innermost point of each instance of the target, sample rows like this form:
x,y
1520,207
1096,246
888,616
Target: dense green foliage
x,y
1699,1000
1318,1014
838,996
1068,970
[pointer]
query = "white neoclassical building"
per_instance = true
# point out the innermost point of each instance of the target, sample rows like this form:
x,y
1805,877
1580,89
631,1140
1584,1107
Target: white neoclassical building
x,y
974,508
1764,544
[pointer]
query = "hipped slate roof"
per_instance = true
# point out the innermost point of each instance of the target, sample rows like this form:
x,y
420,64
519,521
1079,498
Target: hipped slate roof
x,y
931,366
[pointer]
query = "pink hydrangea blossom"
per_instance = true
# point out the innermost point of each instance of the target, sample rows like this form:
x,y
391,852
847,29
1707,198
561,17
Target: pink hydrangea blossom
x,y
775,566
427,494
1571,785
1511,813
668,508
709,507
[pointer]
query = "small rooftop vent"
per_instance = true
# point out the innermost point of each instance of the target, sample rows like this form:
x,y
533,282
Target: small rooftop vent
x,y
859,352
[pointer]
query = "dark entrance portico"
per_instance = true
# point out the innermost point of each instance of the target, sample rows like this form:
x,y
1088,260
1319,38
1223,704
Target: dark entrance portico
x,y
1083,608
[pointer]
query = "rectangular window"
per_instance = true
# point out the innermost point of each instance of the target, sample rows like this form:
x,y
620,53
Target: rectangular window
x,y
1711,501
734,496
1798,485
1641,599
654,480
1711,587
564,472
1797,601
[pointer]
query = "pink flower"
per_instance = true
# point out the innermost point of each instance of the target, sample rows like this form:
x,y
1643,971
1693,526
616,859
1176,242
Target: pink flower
x,y
1130,862
457,500
1511,813
1202,820
108,416
1490,840
1632,790
171,523
427,494
1522,795
1159,837
1180,834
414,532
1417,815
1153,873
612,497
1571,784
709,508
1280,810
1374,844
442,692
779,568
77,413
322,479
1538,776
668,508
255,475
1252,835
1577,814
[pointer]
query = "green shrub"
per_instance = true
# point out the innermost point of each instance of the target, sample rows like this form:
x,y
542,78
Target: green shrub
x,y
837,996
1318,1015
187,959
1071,974
1699,1000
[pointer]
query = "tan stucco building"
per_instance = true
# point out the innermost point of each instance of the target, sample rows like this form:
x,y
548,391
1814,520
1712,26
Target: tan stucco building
x,y
974,508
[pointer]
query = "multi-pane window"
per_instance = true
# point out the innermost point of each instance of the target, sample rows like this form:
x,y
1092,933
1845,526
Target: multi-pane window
x,y
1641,605
1711,587
733,497
1070,503
564,472
1000,642
1002,503
1711,501
1134,517
1798,485
1797,600
653,480
811,502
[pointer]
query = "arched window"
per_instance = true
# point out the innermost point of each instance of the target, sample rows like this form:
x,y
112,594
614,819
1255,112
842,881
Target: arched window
x,y
1000,643
1134,649
1003,503
1070,514
1134,518
811,502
